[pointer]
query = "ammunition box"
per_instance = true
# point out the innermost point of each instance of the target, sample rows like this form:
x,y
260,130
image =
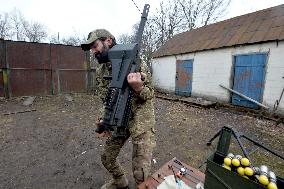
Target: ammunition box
x,y
217,176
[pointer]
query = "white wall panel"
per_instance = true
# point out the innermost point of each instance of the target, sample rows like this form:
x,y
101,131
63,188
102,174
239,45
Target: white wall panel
x,y
164,73
214,67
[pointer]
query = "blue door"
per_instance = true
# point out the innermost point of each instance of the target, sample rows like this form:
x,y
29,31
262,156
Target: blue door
x,y
184,77
249,79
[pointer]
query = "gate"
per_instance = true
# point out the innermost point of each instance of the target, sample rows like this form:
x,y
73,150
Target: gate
x,y
249,73
184,70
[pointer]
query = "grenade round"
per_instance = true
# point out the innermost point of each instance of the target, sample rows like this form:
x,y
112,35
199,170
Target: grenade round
x,y
249,171
228,159
272,180
272,177
256,170
245,162
241,171
239,157
263,170
231,155
227,167
236,160
272,185
263,180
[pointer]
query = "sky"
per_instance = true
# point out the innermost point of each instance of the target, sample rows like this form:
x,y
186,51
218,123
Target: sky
x,y
69,17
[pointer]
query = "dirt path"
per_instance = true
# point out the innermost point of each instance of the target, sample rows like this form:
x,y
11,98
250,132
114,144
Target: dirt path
x,y
55,146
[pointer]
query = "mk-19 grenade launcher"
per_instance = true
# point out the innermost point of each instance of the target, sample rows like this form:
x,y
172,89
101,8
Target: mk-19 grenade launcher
x,y
124,59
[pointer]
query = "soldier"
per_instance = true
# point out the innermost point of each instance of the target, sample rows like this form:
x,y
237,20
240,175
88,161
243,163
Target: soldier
x,y
141,125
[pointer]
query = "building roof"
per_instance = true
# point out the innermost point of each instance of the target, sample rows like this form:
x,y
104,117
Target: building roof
x,y
257,27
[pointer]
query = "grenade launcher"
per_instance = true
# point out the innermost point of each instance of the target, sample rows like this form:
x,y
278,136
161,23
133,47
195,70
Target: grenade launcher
x,y
124,59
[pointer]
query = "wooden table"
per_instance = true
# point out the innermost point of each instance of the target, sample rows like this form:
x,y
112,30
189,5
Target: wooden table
x,y
191,178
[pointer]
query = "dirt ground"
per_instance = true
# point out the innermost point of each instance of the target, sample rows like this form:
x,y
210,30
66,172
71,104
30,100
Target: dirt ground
x,y
55,145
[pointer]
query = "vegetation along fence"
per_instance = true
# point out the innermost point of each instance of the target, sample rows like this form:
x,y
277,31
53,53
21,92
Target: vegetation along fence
x,y
43,69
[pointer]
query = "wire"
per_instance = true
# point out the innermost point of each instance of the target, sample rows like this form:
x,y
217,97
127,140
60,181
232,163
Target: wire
x,y
136,6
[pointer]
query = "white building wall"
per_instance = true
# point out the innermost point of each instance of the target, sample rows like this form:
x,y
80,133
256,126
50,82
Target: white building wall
x,y
164,73
215,67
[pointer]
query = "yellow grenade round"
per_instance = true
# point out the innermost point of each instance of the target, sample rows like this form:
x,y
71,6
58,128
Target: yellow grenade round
x,y
236,161
272,185
228,159
245,162
263,180
227,167
241,171
248,171
272,180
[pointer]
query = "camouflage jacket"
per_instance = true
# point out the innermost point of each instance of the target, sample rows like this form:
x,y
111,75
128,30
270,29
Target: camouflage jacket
x,y
142,104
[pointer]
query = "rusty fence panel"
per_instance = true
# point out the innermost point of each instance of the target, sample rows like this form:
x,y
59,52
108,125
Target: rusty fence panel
x,y
29,68
42,69
2,69
69,70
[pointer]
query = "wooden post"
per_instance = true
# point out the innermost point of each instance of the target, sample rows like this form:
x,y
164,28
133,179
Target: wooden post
x,y
5,71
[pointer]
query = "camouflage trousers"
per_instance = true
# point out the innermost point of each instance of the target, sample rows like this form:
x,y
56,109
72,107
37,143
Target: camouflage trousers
x,y
143,146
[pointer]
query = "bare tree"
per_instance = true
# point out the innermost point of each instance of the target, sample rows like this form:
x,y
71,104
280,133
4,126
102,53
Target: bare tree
x,y
34,31
54,39
75,39
148,47
177,16
214,10
72,40
14,26
4,26
191,11
17,18
166,21
125,39
202,12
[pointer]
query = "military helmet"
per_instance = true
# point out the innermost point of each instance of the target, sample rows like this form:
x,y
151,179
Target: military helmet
x,y
93,36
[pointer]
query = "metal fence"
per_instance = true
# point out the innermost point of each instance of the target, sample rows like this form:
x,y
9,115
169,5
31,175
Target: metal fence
x,y
43,69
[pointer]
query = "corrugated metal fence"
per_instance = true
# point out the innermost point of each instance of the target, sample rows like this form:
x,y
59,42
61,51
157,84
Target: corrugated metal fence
x,y
43,69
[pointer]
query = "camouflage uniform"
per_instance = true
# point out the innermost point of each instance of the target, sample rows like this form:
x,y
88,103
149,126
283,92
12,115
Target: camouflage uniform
x,y
141,126
141,129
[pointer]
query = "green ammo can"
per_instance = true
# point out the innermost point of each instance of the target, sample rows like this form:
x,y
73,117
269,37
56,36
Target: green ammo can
x,y
217,177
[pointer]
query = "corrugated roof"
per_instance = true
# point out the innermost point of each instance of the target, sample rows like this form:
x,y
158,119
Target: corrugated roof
x,y
256,27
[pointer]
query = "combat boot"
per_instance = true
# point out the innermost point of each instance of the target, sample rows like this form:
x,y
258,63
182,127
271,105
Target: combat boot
x,y
117,183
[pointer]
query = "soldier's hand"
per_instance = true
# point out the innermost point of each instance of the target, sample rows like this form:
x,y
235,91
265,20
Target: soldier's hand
x,y
104,133
135,81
